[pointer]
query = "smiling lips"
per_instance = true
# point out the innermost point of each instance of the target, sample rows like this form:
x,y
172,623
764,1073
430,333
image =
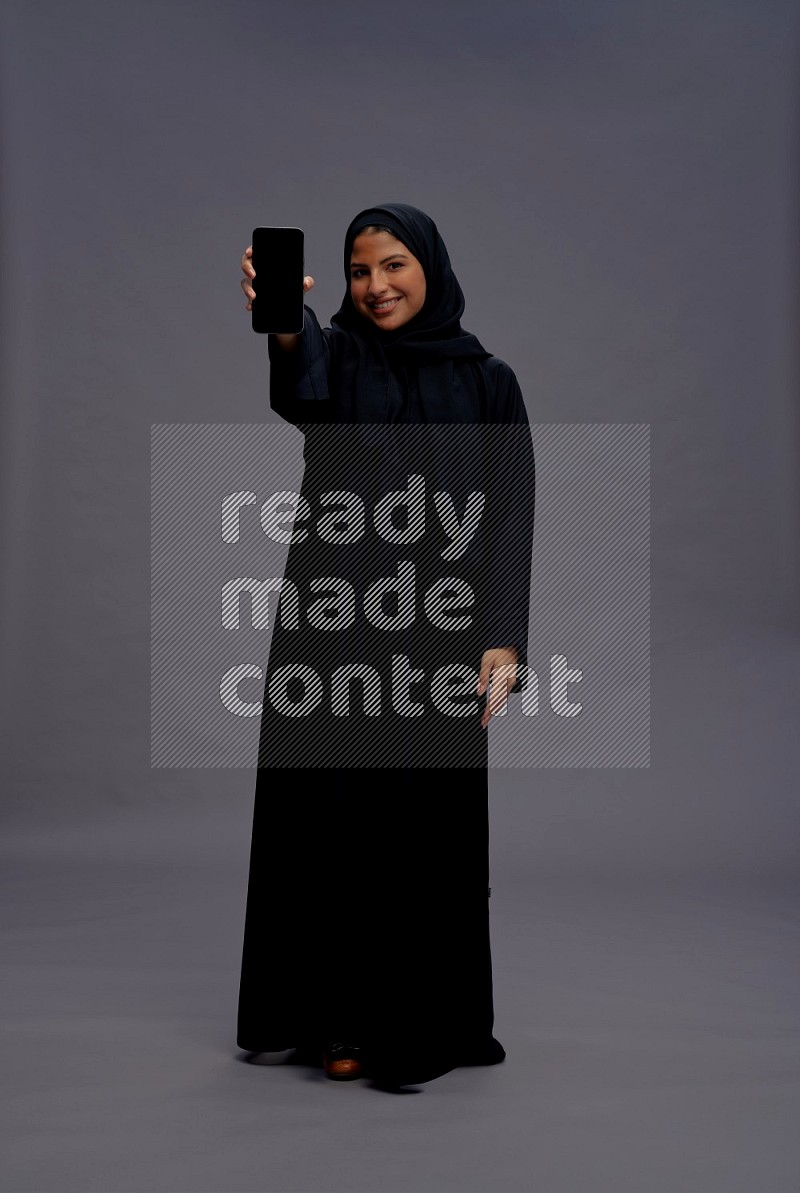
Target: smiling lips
x,y
387,305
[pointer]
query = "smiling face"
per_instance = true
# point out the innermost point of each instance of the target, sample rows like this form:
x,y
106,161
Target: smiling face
x,y
384,271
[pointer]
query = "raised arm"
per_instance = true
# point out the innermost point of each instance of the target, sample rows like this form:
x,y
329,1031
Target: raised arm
x,y
285,343
299,364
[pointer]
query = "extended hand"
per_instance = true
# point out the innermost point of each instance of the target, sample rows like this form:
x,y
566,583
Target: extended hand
x,y
249,272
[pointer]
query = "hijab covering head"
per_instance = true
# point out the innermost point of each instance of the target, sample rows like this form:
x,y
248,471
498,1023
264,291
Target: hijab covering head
x,y
434,333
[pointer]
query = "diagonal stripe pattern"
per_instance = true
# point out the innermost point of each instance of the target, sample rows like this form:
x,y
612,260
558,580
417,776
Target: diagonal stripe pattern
x,y
224,504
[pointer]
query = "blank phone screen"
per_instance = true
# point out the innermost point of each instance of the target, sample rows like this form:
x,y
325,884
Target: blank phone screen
x,y
278,261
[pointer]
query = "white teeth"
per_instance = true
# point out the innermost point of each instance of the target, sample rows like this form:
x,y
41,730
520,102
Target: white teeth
x,y
382,306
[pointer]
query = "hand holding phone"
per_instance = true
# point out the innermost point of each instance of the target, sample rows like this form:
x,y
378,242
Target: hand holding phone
x,y
249,272
274,281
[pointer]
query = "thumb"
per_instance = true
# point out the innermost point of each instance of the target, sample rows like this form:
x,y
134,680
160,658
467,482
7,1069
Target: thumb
x,y
308,282
483,678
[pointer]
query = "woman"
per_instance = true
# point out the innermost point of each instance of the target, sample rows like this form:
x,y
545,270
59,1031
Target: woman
x,y
366,943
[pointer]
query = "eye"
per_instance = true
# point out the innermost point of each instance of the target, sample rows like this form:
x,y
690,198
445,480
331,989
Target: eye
x,y
357,273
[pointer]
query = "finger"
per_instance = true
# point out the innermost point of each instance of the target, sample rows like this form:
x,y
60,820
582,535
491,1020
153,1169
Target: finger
x,y
487,715
497,700
483,678
503,679
308,282
499,695
248,289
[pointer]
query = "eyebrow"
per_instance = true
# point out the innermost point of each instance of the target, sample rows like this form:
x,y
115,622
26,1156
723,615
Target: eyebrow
x,y
360,264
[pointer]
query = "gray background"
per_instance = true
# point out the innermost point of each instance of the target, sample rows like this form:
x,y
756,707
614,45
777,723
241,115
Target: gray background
x,y
616,184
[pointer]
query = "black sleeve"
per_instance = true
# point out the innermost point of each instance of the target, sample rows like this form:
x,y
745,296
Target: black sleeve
x,y
513,490
299,381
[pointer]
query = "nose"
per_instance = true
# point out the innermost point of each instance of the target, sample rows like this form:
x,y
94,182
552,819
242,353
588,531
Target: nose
x,y
377,287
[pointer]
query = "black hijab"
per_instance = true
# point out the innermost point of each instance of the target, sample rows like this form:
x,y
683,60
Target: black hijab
x,y
435,332
427,370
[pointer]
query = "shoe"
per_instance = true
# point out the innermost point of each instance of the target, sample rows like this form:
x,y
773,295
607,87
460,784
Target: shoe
x,y
342,1062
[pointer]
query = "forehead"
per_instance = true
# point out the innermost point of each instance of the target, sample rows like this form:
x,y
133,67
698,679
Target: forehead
x,y
376,243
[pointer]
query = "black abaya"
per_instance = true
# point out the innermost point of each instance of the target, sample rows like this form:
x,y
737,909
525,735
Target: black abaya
x,y
367,909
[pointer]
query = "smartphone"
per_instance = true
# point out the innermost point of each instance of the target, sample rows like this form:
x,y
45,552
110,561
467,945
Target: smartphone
x,y
278,259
